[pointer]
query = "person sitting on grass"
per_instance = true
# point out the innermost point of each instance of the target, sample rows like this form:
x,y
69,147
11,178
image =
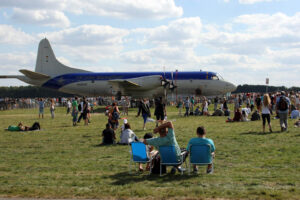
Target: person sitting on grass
x,y
128,136
167,138
237,116
108,135
200,140
150,150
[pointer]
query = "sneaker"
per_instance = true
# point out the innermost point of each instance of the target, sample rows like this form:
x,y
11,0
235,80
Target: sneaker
x,y
210,170
173,170
180,169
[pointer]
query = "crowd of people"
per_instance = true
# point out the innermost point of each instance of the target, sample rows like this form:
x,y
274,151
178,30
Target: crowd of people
x,y
280,106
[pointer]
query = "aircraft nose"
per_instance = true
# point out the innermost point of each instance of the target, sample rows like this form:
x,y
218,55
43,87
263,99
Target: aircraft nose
x,y
230,87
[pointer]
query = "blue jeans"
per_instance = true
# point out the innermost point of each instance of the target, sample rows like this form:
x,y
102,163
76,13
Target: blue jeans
x,y
186,111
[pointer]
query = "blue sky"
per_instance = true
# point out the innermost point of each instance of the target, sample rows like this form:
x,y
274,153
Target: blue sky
x,y
243,40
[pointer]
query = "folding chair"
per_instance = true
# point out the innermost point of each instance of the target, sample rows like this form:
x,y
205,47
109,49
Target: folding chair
x,y
168,157
200,155
139,154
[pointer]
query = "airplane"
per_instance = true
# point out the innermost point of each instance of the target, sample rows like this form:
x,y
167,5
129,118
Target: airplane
x,y
50,73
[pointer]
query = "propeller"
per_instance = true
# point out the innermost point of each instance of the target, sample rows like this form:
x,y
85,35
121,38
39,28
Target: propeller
x,y
172,85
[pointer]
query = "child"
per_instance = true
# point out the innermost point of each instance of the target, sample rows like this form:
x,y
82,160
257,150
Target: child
x,y
150,150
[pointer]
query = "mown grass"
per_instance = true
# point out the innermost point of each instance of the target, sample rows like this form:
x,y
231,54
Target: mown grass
x,y
62,161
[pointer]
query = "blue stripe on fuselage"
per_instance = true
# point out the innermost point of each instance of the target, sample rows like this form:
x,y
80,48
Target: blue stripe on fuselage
x,y
65,79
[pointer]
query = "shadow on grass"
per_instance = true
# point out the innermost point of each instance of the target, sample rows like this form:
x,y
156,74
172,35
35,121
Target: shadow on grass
x,y
259,133
124,178
109,145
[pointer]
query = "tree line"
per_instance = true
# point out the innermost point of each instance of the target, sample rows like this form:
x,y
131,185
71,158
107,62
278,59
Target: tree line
x,y
30,92
262,88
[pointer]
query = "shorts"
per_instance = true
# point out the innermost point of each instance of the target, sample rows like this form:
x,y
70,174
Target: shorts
x,y
114,125
41,111
160,117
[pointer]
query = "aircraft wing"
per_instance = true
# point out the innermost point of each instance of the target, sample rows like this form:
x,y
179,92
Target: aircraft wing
x,y
127,86
119,83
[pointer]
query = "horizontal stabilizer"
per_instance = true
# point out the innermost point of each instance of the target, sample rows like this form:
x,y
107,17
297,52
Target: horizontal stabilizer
x,y
9,76
123,83
34,75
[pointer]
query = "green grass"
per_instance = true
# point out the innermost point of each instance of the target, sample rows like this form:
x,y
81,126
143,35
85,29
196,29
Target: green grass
x,y
62,161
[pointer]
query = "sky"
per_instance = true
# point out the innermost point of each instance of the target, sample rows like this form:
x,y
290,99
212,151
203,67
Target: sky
x,y
245,41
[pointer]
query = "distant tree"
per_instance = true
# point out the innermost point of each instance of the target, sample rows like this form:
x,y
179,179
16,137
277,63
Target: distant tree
x,y
30,92
262,88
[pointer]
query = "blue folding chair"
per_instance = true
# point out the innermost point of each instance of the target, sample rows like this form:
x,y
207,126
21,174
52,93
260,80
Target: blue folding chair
x,y
200,155
168,157
139,154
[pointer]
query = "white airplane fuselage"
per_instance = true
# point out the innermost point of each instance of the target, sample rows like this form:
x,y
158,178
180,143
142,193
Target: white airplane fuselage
x,y
50,73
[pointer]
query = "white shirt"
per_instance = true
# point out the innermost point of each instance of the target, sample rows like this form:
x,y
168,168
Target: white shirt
x,y
265,110
127,136
247,110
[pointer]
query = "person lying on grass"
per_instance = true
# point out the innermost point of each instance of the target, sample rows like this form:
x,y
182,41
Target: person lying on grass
x,y
167,138
21,127
200,140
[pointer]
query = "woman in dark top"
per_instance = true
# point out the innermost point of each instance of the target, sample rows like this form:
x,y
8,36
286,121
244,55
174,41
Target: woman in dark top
x,y
145,110
160,110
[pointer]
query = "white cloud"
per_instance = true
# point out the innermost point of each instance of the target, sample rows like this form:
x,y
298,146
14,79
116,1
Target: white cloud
x,y
10,35
41,17
89,42
122,9
126,9
253,1
181,32
34,4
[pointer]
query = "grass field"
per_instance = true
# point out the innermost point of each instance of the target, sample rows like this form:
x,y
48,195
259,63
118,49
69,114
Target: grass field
x,y
62,161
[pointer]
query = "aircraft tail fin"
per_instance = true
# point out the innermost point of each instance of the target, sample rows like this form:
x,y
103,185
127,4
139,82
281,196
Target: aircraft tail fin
x,y
46,62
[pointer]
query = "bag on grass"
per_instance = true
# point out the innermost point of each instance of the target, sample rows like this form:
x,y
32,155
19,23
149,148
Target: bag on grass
x,y
156,166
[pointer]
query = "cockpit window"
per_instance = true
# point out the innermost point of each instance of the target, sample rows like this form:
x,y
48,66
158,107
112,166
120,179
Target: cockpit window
x,y
215,78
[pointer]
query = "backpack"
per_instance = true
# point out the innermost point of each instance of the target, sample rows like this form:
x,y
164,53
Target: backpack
x,y
115,115
79,107
255,116
282,104
156,166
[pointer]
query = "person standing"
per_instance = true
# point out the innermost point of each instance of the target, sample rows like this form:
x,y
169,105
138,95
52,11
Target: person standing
x,y
187,106
52,108
216,101
265,113
75,111
205,107
69,106
113,116
160,110
179,106
145,110
41,107
85,108
192,103
282,107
